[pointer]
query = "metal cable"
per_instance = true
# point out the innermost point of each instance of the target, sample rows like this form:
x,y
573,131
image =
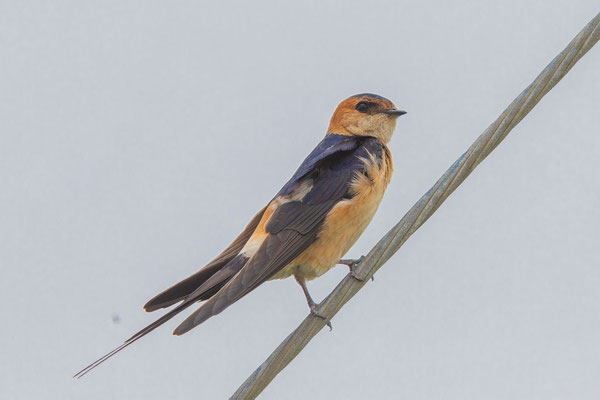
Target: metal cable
x,y
422,210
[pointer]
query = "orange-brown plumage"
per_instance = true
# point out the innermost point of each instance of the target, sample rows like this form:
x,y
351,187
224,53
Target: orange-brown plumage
x,y
346,120
344,223
308,226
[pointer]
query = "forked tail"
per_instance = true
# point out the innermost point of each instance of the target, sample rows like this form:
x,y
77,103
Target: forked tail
x,y
135,337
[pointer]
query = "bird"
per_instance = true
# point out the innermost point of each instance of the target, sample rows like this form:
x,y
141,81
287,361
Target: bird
x,y
306,228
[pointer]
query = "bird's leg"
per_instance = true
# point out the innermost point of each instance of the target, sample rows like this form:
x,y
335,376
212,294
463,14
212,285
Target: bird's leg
x,y
352,265
311,303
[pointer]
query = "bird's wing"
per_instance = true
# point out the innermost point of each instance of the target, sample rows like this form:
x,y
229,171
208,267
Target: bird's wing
x,y
321,181
208,280
293,220
189,287
183,289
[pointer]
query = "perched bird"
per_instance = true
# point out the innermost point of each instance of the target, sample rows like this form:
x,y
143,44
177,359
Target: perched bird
x,y
308,226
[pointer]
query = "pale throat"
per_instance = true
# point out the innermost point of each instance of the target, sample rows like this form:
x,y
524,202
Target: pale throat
x,y
380,127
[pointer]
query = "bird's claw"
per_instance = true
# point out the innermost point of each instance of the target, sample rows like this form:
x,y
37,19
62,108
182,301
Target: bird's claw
x,y
352,266
355,276
313,311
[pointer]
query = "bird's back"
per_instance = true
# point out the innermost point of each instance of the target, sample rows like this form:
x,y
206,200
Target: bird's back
x,y
348,219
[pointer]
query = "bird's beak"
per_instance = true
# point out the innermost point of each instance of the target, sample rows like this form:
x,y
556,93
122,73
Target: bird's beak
x,y
394,112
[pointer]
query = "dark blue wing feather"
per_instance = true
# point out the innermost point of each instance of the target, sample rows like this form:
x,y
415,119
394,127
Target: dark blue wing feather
x,y
295,225
329,145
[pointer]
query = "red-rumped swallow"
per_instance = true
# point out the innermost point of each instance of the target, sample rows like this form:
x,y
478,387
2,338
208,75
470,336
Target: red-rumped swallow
x,y
308,226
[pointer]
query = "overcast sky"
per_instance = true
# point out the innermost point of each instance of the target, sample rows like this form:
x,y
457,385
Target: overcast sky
x,y
138,138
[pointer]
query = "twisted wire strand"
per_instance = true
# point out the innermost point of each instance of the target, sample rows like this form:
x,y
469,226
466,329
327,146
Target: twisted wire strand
x,y
422,210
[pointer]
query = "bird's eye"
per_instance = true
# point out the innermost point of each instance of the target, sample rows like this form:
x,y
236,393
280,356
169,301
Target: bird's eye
x,y
362,107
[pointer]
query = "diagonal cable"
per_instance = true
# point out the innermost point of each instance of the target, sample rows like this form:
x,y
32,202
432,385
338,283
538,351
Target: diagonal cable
x,y
422,210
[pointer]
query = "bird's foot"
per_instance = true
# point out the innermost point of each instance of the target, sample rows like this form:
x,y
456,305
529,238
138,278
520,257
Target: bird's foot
x,y
313,311
352,266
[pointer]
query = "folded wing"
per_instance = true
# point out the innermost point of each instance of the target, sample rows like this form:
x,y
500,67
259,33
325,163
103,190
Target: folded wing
x,y
295,222
297,215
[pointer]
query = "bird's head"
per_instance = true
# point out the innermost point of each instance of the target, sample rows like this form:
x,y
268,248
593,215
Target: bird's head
x,y
365,115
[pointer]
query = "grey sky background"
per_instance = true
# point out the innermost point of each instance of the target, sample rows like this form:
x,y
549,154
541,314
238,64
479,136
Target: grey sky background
x,y
138,138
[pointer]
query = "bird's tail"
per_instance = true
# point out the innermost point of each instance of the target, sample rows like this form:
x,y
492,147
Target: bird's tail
x,y
135,337
207,290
